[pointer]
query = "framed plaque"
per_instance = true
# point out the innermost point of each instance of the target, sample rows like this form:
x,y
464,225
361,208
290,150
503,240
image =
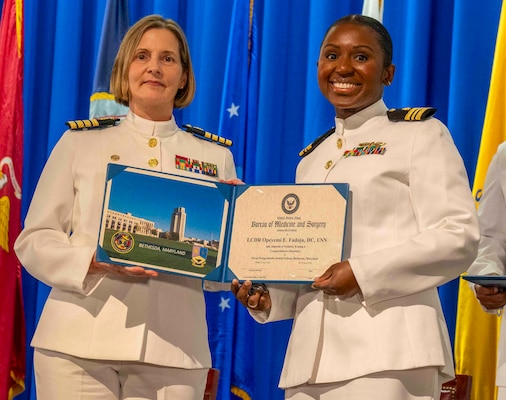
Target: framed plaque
x,y
218,232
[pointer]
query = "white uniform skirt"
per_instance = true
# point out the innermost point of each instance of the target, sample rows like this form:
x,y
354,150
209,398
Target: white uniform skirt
x,y
416,384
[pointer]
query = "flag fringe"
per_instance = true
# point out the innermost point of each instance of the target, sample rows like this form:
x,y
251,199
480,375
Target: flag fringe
x,y
240,393
19,26
18,386
102,96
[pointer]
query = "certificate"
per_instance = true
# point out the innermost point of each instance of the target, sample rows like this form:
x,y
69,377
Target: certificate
x,y
218,232
286,232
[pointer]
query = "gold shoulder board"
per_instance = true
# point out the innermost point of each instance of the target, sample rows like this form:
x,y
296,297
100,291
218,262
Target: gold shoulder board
x,y
200,133
82,124
308,149
410,113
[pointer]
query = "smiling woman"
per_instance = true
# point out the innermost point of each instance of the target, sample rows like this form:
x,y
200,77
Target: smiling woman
x,y
134,318
359,319
156,75
352,69
153,72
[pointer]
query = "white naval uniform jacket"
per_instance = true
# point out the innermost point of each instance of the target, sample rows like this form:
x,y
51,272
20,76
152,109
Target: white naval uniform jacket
x,y
491,258
412,227
158,320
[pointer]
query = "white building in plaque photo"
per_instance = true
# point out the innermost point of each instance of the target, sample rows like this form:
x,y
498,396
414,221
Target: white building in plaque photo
x,y
128,223
178,222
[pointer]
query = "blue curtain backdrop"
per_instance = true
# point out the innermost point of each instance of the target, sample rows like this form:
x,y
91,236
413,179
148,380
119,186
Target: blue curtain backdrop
x,y
443,51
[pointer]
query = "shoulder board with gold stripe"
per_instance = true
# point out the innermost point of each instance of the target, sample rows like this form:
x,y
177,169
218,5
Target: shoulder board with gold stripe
x,y
410,113
308,149
200,133
82,124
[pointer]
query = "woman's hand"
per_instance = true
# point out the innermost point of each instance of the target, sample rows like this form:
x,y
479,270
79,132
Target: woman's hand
x,y
232,181
97,267
490,297
254,296
338,280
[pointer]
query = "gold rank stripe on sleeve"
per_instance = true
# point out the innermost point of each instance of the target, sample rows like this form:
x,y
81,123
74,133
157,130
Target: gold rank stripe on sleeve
x,y
81,124
410,113
199,132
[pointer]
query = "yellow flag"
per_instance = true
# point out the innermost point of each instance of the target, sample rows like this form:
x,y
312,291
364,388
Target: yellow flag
x,y
477,332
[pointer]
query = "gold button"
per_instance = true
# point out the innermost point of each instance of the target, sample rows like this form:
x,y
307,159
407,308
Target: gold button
x,y
339,143
152,142
153,162
328,164
115,157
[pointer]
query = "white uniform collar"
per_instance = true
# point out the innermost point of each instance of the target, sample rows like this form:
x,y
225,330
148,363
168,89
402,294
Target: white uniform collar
x,y
357,120
147,127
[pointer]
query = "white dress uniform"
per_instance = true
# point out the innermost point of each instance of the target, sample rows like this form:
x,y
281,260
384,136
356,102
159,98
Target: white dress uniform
x,y
491,258
411,227
159,321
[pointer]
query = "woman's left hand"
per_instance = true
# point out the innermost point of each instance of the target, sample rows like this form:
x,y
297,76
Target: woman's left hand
x,y
253,296
232,181
97,267
338,280
491,297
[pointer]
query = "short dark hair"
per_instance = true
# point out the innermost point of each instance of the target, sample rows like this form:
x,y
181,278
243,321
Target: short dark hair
x,y
384,38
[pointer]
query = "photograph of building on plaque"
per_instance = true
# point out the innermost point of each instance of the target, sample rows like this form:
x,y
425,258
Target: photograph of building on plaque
x,y
174,224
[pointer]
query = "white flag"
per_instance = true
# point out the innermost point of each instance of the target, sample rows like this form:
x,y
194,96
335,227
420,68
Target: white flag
x,y
374,9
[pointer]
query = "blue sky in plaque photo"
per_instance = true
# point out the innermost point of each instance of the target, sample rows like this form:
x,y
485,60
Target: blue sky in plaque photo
x,y
154,199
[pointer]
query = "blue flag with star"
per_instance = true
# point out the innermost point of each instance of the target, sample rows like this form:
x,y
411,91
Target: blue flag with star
x,y
234,102
234,123
114,27
221,307
241,347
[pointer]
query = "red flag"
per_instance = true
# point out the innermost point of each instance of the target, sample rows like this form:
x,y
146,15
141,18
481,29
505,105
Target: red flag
x,y
12,324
